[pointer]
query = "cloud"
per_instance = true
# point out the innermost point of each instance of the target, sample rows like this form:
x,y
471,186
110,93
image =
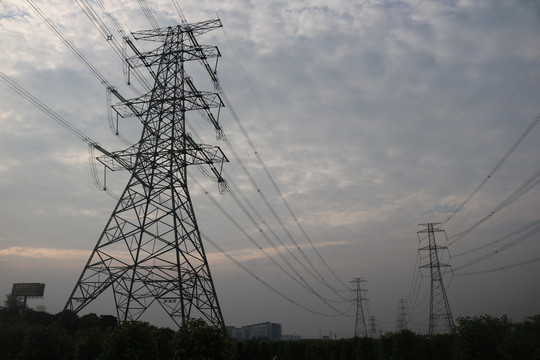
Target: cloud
x,y
245,255
44,253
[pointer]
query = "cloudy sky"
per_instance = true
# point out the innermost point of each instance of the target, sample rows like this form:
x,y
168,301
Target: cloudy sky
x,y
371,116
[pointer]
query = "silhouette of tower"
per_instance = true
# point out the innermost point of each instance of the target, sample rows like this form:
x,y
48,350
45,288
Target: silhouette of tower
x,y
360,328
373,327
151,250
439,308
401,322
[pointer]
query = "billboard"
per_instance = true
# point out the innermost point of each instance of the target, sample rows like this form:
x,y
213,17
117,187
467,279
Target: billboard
x,y
28,289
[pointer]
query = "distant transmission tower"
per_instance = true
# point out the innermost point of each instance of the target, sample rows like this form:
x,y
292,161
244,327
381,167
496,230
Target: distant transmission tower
x,y
150,250
373,327
360,328
401,322
439,308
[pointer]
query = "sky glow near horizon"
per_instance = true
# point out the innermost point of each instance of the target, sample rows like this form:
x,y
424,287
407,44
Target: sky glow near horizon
x,y
376,116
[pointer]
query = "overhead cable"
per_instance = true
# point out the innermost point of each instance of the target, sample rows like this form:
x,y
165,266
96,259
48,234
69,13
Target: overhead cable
x,y
119,50
493,124
265,283
499,164
294,217
44,108
148,13
501,268
530,183
505,237
69,44
267,172
297,279
500,250
66,125
248,139
234,192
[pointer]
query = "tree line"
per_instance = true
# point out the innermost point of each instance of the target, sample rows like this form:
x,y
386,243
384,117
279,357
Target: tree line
x,y
30,334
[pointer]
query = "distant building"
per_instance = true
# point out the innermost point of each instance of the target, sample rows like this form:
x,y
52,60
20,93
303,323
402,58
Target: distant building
x,y
290,337
264,331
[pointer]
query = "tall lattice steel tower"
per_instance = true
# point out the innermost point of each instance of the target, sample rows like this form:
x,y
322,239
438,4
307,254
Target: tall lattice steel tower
x,y
151,250
360,327
401,320
373,327
439,308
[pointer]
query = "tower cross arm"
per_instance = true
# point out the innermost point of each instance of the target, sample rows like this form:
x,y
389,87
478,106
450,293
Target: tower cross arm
x,y
188,53
161,34
207,155
117,160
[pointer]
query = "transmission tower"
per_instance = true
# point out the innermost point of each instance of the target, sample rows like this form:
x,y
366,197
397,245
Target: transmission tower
x,y
373,327
360,328
439,308
151,250
401,322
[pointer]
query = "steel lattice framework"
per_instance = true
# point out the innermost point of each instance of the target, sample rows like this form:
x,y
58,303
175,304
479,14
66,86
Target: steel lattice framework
x,y
360,327
401,321
151,250
439,307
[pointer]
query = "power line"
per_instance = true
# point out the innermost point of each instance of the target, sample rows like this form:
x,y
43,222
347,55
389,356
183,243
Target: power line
x,y
501,268
44,108
500,250
530,183
299,279
119,50
69,44
83,59
483,140
148,13
235,191
270,177
265,283
273,182
531,225
499,164
257,155
65,124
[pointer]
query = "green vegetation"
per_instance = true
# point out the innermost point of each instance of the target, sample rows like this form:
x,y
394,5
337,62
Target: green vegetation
x,y
30,334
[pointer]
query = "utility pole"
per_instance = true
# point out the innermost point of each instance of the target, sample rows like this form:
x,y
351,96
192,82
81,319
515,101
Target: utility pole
x,y
150,251
439,308
360,328
401,322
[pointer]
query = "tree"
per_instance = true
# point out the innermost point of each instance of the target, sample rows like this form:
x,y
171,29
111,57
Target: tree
x,y
479,337
165,338
89,321
108,322
196,340
11,340
68,320
523,342
133,340
13,305
90,345
46,343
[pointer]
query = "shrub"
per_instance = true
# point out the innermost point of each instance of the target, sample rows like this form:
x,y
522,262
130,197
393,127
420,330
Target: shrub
x,y
132,340
197,340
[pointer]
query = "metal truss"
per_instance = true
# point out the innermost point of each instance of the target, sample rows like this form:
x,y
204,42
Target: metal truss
x,y
151,250
439,307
